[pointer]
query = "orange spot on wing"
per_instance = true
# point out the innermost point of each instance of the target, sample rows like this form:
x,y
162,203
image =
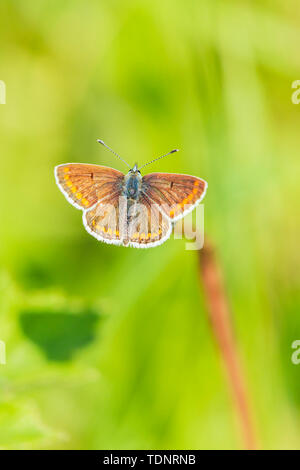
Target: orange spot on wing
x,y
66,169
85,202
78,195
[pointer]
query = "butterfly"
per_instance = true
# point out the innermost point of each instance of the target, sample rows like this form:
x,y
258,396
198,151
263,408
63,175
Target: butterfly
x,y
129,210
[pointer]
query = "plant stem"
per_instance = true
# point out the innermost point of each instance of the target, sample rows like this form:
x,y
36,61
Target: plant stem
x,y
219,315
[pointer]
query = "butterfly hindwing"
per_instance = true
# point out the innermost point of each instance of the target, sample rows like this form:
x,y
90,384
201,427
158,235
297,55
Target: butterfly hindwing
x,y
105,222
139,224
147,226
83,185
176,194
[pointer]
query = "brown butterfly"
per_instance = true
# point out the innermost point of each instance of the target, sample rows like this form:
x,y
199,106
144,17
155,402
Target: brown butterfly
x,y
129,210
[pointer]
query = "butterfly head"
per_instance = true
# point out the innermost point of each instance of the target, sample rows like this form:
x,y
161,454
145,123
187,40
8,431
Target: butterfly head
x,y
135,169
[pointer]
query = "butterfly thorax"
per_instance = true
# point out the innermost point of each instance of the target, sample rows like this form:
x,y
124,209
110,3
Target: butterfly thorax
x,y
132,184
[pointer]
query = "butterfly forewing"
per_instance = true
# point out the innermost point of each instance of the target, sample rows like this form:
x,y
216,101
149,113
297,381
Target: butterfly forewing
x,y
176,194
84,185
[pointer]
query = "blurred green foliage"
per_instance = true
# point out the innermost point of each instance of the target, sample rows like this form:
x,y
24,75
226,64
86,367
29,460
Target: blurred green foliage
x,y
59,334
213,79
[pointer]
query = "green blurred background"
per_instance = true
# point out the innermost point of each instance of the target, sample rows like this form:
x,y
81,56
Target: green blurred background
x,y
110,347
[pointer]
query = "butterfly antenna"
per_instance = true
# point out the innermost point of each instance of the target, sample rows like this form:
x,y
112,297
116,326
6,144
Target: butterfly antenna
x,y
111,150
155,159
